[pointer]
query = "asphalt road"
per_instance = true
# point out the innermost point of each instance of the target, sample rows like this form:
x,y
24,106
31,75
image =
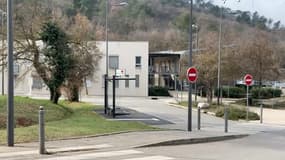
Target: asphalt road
x,y
160,108
178,117
261,146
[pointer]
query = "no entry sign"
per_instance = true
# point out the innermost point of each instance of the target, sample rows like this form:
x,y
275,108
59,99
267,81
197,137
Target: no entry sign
x,y
192,74
248,79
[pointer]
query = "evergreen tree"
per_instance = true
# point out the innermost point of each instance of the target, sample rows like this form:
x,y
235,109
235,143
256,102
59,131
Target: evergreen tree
x,y
57,58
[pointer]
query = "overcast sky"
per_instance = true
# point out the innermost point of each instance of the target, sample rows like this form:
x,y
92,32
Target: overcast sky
x,y
274,9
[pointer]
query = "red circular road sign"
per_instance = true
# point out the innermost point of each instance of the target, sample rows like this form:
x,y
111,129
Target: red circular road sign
x,y
248,79
192,74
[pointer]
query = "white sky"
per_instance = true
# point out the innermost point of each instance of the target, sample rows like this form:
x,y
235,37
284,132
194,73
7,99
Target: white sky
x,y
274,9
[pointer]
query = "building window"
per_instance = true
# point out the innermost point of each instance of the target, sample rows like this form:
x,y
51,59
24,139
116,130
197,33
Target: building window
x,y
127,82
114,62
16,69
37,83
137,81
138,61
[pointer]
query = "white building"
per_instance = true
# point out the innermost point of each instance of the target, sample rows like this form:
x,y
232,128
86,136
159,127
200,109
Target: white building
x,y
131,57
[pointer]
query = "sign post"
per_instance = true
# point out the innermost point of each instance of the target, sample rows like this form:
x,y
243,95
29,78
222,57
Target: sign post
x,y
248,81
192,77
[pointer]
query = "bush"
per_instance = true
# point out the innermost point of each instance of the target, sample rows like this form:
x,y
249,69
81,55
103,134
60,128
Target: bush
x,y
237,113
232,92
158,91
265,93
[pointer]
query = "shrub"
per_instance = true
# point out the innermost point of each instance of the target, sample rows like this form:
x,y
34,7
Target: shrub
x,y
232,92
266,93
237,113
158,91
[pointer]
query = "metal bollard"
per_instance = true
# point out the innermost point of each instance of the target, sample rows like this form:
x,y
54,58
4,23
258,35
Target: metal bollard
x,y
42,149
199,118
261,113
226,119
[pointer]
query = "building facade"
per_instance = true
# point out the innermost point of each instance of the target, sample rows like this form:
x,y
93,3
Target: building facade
x,y
129,57
164,68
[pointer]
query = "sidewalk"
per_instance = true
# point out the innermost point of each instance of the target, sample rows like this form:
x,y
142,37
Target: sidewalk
x,y
118,141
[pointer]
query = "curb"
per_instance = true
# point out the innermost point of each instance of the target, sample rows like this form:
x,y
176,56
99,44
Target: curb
x,y
194,109
194,141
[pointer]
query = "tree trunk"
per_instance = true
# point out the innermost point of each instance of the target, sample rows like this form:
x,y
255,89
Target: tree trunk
x,y
209,95
72,93
56,95
51,93
75,94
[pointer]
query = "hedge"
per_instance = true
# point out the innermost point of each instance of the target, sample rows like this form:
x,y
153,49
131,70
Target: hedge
x,y
265,93
232,92
158,91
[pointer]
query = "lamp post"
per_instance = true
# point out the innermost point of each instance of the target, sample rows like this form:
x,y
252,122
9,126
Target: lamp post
x,y
196,50
190,65
10,108
107,61
3,59
107,54
219,56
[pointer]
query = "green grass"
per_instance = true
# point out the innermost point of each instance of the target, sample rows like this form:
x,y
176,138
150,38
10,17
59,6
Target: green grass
x,y
67,120
26,111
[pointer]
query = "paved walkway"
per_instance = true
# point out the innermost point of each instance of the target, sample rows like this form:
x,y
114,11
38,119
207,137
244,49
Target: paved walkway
x,y
122,141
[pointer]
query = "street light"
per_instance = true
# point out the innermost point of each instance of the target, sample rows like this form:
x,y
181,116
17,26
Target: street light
x,y
219,54
196,27
3,59
107,54
10,107
190,65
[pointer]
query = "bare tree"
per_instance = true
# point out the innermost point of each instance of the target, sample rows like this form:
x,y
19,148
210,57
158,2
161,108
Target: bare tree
x,y
29,18
259,57
206,63
85,57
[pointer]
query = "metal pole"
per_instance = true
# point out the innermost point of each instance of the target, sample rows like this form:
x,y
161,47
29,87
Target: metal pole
x,y
107,59
2,31
195,92
175,87
226,119
190,64
114,96
181,91
199,118
219,56
106,92
221,94
247,103
42,149
261,113
10,117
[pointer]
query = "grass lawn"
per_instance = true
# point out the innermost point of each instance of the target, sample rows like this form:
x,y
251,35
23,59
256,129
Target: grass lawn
x,y
62,121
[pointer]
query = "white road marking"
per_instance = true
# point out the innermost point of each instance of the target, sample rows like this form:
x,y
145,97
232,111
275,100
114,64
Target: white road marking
x,y
96,155
135,119
100,146
22,153
31,152
152,158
